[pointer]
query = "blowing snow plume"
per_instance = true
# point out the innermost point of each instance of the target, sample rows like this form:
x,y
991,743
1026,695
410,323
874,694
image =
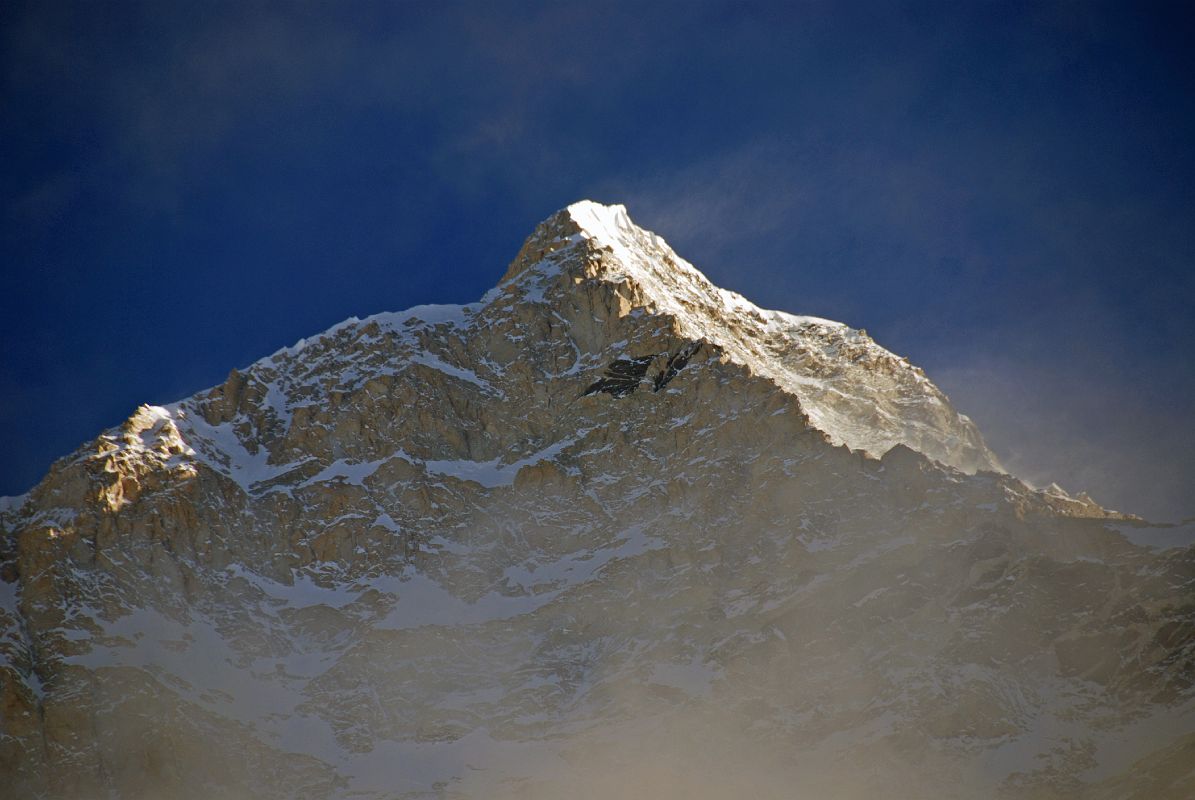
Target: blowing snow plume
x,y
414,557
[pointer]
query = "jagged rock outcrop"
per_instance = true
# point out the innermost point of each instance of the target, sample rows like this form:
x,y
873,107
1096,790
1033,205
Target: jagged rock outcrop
x,y
610,531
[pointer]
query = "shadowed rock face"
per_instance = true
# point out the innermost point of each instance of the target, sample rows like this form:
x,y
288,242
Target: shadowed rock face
x,y
622,376
456,552
676,362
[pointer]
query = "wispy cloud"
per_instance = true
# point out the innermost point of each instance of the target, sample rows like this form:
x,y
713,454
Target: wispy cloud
x,y
719,202
1131,446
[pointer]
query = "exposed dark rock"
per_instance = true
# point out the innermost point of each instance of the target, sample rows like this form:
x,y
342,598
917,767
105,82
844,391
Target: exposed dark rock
x,y
676,363
622,377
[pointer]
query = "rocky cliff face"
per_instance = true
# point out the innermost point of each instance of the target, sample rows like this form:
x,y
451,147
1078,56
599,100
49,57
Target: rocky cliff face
x,y
610,531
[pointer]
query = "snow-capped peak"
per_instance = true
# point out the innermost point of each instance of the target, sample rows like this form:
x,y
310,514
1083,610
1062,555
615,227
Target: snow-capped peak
x,y
851,388
601,221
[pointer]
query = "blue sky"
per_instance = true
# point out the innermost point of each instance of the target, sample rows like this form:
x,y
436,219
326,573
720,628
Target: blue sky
x,y
1002,192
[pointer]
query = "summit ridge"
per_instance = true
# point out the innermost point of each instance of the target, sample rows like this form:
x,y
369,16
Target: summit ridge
x,y
851,388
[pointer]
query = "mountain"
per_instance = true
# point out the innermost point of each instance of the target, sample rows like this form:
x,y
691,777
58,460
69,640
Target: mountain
x,y
610,531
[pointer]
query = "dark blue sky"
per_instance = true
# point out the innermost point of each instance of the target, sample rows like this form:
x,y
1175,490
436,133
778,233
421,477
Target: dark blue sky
x,y
1003,192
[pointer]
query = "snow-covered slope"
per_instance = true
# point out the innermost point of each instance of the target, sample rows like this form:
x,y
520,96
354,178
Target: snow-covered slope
x,y
595,535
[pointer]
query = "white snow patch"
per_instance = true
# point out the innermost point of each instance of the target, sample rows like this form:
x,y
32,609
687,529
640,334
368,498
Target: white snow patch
x,y
430,360
386,521
304,592
578,567
351,472
220,448
493,474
